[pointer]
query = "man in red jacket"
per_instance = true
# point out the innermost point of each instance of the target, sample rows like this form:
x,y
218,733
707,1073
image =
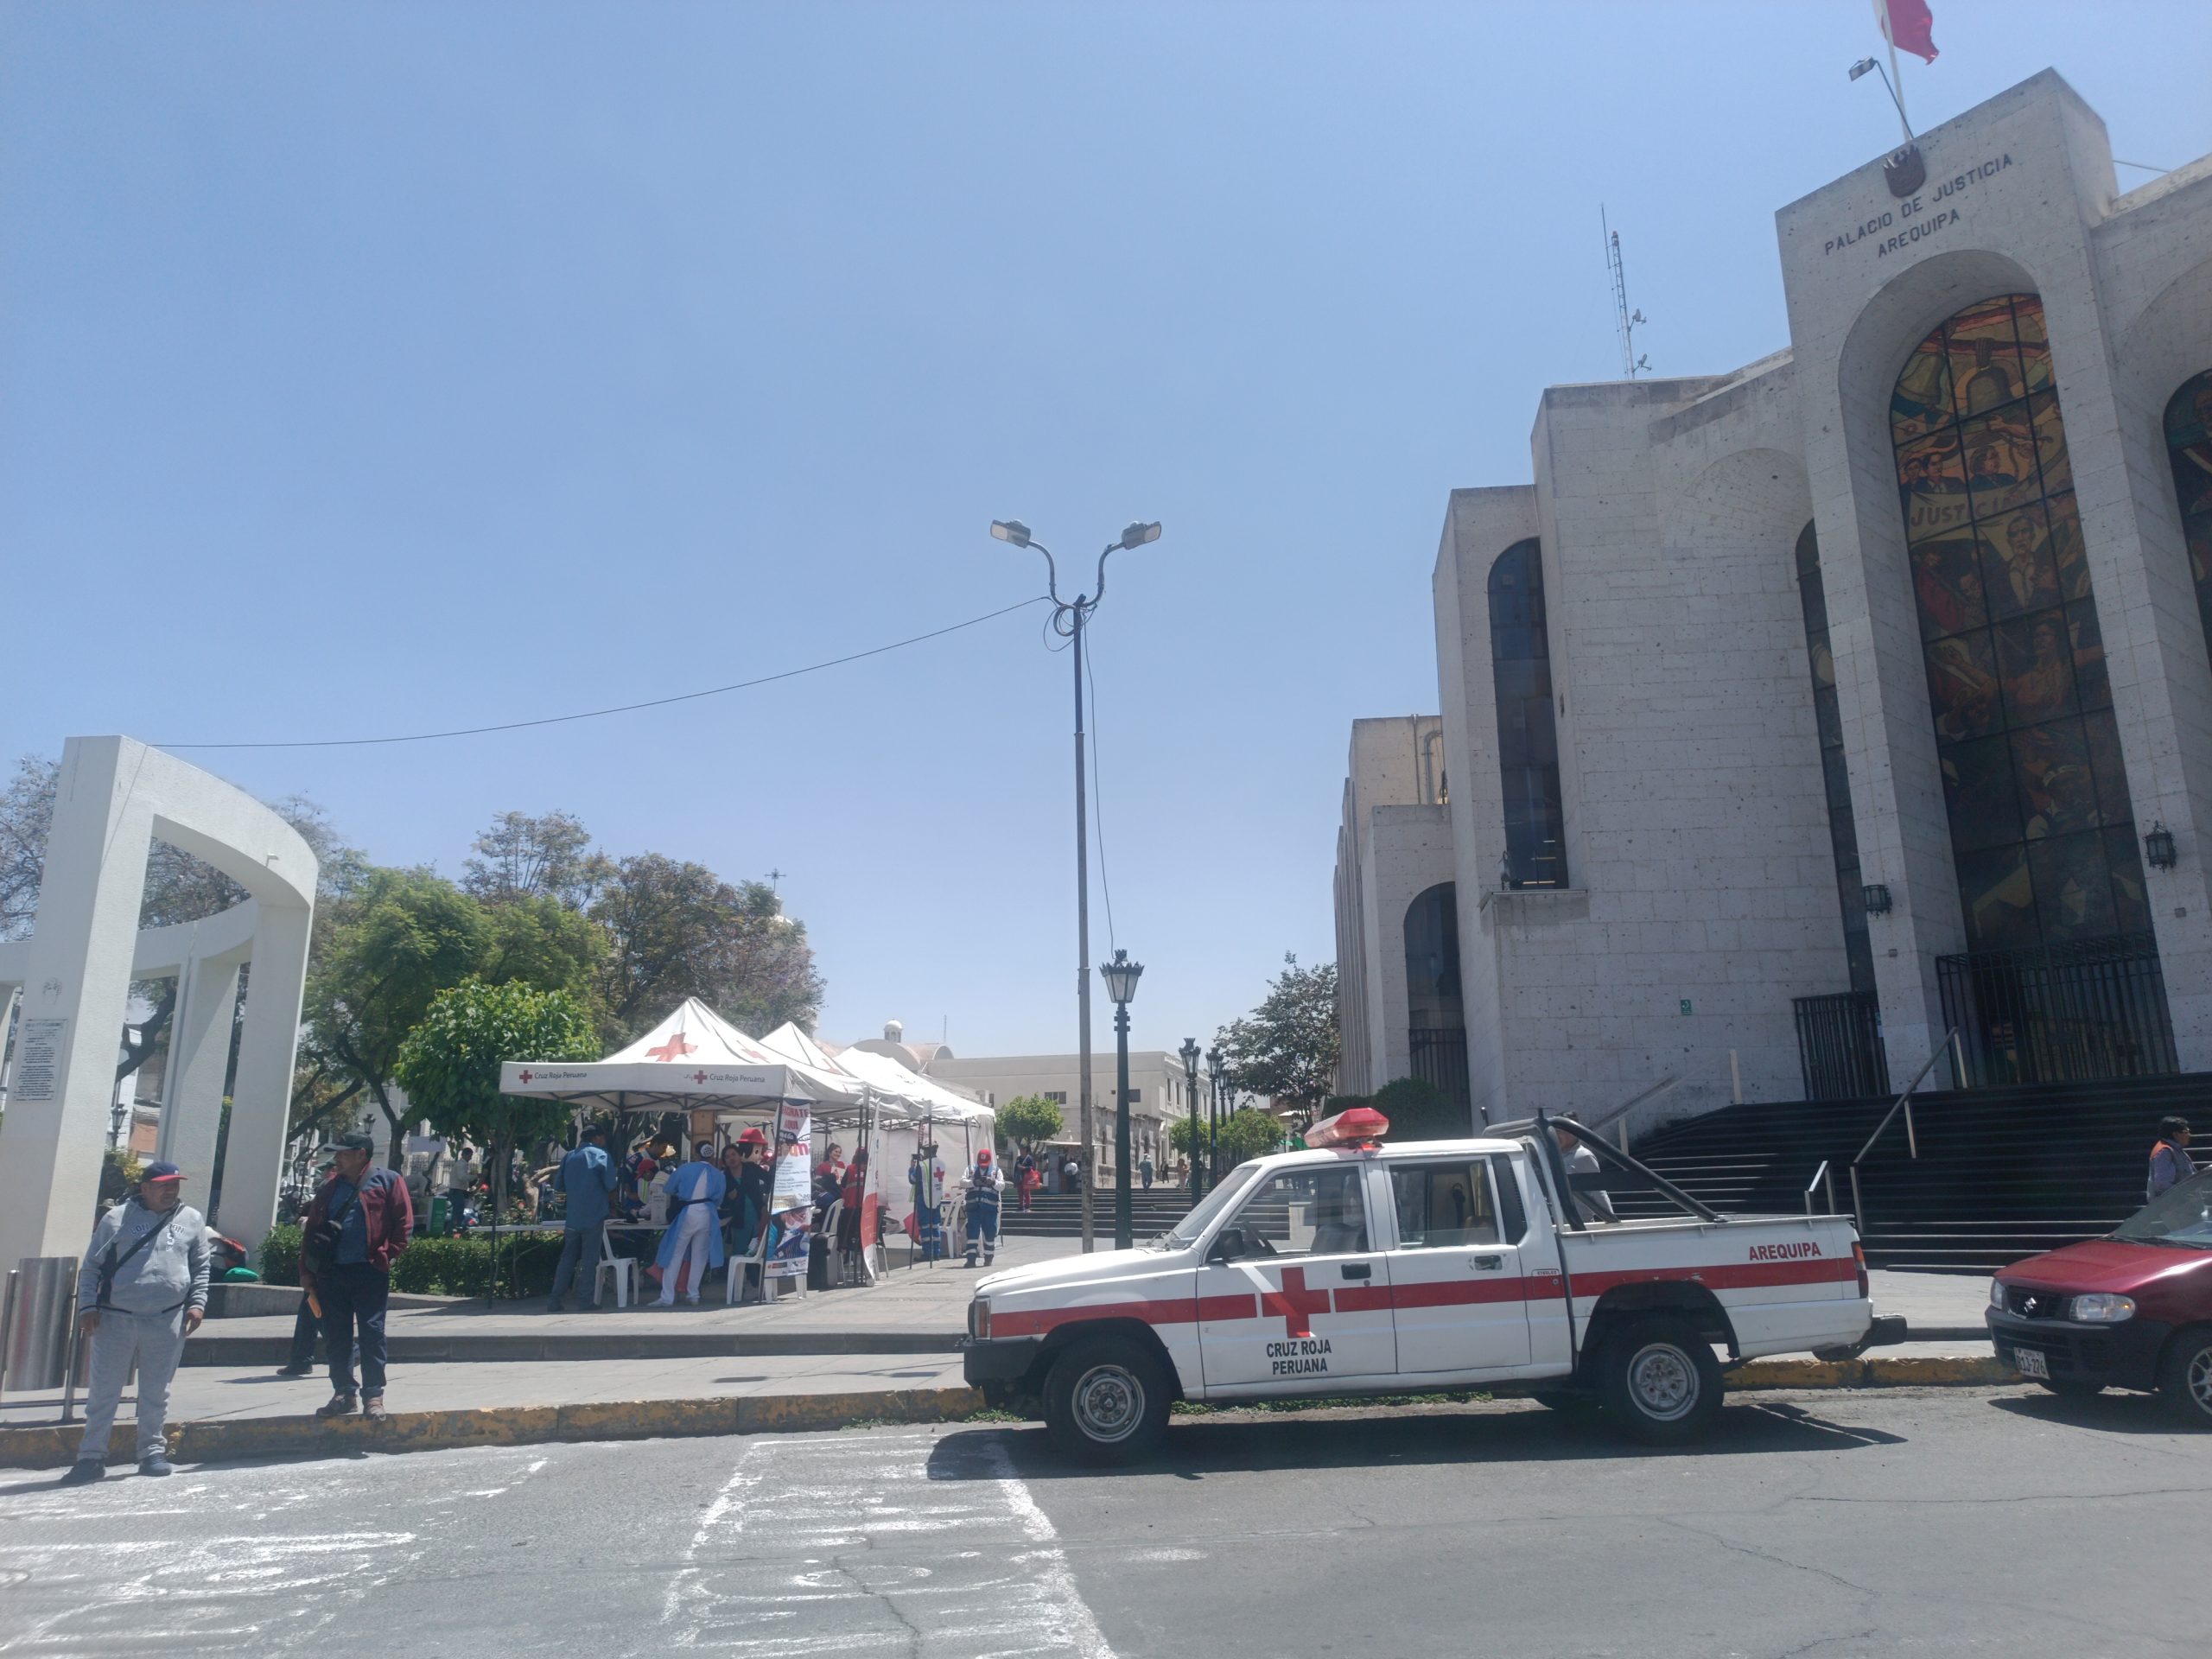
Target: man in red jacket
x,y
360,1219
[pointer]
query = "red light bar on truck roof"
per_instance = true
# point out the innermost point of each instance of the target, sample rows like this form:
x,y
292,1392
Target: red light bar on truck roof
x,y
1361,1126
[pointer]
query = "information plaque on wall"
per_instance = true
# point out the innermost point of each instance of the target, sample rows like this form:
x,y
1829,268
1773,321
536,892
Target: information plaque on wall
x,y
38,1059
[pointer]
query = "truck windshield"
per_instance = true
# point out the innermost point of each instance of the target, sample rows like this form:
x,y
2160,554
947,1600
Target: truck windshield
x,y
2180,1216
1186,1232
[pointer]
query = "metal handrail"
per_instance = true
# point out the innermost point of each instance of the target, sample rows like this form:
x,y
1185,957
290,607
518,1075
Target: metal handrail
x,y
1819,1176
1902,1102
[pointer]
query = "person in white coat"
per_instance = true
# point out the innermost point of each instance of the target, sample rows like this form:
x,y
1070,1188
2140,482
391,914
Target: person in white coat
x,y
694,1238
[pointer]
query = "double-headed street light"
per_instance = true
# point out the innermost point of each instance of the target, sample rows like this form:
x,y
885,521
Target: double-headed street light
x,y
1068,617
1215,1075
1120,976
1189,1054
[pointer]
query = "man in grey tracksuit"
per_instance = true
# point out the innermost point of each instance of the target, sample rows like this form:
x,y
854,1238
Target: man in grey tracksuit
x,y
142,1291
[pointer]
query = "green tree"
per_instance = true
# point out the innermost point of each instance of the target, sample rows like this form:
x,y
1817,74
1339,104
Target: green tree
x,y
1247,1132
1422,1111
549,857
403,938
1029,1120
1285,1049
538,941
677,930
450,1065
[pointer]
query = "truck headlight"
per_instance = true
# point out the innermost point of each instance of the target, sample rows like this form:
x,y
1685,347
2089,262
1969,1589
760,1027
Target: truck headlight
x,y
2100,1308
979,1320
1997,1296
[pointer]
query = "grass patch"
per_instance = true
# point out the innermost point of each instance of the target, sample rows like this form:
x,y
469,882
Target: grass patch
x,y
994,1414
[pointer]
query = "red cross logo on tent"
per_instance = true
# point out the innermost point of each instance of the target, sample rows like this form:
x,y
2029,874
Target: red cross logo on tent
x,y
1293,1303
525,1077
674,1049
698,1076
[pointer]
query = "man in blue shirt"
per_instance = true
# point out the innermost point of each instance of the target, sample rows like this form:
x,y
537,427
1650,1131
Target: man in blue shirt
x,y
587,1176
694,1238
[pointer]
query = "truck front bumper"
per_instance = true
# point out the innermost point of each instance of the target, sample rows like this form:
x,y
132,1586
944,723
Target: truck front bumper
x,y
1006,1360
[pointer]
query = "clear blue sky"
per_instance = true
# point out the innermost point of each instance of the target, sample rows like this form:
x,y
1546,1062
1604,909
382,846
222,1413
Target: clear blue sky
x,y
383,368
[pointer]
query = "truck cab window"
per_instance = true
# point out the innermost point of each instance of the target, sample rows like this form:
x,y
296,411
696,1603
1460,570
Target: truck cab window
x,y
1306,1212
1445,1206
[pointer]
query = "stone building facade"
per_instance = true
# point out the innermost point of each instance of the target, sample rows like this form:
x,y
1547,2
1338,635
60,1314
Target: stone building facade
x,y
1797,715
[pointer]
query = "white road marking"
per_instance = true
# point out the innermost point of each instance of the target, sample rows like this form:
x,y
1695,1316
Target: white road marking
x,y
861,1543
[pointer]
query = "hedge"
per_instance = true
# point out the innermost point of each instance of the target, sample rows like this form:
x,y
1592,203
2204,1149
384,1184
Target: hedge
x,y
439,1267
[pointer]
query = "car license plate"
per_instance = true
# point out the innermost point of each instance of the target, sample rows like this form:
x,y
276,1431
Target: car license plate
x,y
2028,1362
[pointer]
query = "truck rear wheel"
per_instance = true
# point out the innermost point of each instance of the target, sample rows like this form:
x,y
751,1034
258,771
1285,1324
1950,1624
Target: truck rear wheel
x,y
2185,1377
1658,1377
1106,1401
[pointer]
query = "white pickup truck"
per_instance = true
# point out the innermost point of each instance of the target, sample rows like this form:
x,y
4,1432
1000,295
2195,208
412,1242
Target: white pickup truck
x,y
1364,1268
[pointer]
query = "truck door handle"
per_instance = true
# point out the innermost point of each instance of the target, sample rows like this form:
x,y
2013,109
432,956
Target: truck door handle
x,y
1358,1270
1486,1263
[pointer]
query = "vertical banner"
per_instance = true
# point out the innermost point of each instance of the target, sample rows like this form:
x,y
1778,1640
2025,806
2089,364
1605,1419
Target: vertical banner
x,y
791,1197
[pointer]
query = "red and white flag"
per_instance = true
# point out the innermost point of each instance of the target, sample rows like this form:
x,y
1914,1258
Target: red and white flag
x,y
1910,27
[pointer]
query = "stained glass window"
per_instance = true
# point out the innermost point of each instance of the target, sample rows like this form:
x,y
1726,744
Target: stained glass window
x,y
2042,830
2188,442
1527,742
1843,833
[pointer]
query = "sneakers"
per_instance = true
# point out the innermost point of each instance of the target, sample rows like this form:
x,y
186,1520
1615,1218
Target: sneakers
x,y
339,1405
373,1406
156,1465
83,1472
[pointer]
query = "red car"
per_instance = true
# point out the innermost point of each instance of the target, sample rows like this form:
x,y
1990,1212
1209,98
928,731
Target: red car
x,y
2131,1311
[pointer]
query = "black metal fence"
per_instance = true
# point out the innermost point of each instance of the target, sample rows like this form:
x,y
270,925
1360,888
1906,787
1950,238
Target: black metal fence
x,y
1439,1059
1840,1047
2061,1012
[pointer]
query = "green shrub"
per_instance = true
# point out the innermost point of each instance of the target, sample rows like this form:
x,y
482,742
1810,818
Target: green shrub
x,y
280,1256
1420,1112
462,1267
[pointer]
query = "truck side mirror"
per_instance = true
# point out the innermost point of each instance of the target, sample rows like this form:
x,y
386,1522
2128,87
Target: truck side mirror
x,y
1228,1245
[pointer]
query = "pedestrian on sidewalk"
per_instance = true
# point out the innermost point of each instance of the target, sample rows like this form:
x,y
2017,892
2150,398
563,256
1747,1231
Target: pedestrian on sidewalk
x,y
1144,1173
745,1202
141,1290
2171,1163
1025,1180
587,1176
693,1242
307,1320
360,1220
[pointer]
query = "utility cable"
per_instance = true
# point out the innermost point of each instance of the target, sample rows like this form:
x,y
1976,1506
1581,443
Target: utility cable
x,y
619,708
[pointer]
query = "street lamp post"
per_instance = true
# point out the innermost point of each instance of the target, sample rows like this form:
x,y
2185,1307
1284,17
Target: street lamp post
x,y
1068,618
1120,976
1189,1054
1213,1131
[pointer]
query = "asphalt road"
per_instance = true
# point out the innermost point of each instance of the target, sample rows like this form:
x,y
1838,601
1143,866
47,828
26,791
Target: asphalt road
x,y
1929,1523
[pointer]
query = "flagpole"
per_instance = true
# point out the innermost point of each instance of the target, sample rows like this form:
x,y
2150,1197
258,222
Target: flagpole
x,y
1897,76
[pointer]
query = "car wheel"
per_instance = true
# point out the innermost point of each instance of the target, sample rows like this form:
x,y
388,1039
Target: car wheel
x,y
1659,1379
2185,1377
2071,1387
1106,1401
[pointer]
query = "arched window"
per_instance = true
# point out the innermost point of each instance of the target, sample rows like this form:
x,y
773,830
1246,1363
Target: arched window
x,y
2041,830
1527,742
1843,833
1436,1021
2188,443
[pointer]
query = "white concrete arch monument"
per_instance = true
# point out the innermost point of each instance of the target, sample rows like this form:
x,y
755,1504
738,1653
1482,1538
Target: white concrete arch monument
x,y
114,798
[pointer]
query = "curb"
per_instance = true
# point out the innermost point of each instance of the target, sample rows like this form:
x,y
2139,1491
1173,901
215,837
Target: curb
x,y
435,1431
1934,1370
205,1350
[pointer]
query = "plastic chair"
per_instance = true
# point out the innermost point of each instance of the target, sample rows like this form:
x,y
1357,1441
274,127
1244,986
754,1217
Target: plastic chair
x,y
624,1268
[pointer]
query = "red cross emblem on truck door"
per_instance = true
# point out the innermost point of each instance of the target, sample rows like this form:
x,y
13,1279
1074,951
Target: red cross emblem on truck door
x,y
1293,1302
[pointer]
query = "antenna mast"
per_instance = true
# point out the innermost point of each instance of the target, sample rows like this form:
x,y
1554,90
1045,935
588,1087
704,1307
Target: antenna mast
x,y
1624,320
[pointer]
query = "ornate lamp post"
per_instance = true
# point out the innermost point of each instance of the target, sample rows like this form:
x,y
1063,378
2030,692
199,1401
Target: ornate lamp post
x,y
1190,1054
1214,1075
1120,976
1068,618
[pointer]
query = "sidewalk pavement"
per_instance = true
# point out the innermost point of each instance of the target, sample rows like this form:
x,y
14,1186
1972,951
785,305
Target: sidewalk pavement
x,y
1935,1306
918,1309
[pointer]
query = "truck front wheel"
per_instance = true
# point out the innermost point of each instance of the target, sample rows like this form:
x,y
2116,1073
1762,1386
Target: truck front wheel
x,y
1106,1401
1659,1379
